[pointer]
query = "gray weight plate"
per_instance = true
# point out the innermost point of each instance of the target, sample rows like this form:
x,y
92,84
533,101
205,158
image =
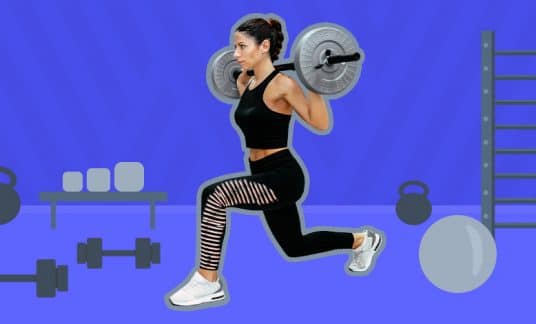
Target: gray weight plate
x,y
62,278
310,50
220,75
81,255
94,253
143,253
46,278
155,253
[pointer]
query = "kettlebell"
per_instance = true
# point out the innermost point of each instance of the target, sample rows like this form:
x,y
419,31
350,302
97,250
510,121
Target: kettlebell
x,y
413,208
9,198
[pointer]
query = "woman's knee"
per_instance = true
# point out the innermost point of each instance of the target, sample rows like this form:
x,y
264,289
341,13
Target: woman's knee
x,y
292,249
207,191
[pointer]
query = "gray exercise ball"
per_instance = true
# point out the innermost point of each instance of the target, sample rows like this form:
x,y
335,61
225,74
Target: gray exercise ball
x,y
457,254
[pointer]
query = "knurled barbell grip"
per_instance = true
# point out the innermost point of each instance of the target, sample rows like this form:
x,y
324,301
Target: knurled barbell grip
x,y
17,278
285,67
335,59
236,74
343,58
119,253
290,66
279,67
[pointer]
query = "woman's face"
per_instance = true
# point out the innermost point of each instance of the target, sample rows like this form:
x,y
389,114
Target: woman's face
x,y
247,53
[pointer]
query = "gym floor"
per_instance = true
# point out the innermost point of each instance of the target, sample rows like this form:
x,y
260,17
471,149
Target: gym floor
x,y
264,287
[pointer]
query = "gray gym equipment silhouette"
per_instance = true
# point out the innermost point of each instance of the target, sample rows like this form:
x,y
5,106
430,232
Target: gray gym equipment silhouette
x,y
129,176
48,278
9,198
413,208
98,179
460,265
327,60
73,181
145,253
489,150
151,197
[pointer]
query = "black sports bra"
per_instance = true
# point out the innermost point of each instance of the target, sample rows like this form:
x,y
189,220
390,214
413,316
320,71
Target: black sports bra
x,y
262,127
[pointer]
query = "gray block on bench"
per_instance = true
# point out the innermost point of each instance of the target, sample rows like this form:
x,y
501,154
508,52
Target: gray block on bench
x,y
98,180
72,181
129,176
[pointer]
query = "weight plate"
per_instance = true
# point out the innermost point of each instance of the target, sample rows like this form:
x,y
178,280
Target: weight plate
x,y
143,253
155,253
81,255
221,80
46,278
94,253
62,278
311,48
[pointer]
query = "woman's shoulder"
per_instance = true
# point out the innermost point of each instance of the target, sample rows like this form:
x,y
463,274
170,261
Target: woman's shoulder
x,y
285,82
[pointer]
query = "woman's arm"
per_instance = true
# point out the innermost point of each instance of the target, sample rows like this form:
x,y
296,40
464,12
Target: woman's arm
x,y
312,109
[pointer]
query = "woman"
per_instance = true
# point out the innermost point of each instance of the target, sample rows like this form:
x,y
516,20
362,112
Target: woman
x,y
277,180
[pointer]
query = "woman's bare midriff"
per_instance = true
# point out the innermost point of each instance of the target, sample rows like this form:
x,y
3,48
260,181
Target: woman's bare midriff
x,y
257,154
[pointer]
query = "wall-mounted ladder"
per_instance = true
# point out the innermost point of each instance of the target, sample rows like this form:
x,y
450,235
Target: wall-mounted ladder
x,y
489,151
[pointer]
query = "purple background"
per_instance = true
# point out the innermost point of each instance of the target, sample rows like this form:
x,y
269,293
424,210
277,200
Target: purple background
x,y
92,83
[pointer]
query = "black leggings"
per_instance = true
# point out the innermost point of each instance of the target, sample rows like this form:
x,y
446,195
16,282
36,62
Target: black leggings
x,y
275,184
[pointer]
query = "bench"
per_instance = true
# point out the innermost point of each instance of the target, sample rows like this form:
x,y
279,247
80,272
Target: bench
x,y
54,197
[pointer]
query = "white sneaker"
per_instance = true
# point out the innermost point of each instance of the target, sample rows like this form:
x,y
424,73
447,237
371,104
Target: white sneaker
x,y
197,291
362,256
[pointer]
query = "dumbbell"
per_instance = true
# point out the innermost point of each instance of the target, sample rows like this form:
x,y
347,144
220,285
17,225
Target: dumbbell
x,y
92,253
327,60
48,278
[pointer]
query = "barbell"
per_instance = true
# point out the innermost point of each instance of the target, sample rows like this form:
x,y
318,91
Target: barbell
x,y
48,278
327,60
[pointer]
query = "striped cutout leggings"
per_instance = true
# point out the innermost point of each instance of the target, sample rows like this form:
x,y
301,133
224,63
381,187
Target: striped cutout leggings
x,y
275,184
